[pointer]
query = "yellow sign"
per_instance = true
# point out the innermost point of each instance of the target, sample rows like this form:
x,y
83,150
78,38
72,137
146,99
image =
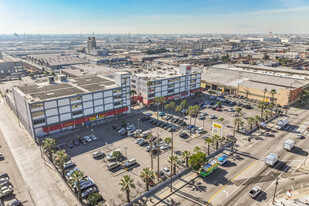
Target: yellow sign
x,y
96,117
222,89
217,129
217,125
266,100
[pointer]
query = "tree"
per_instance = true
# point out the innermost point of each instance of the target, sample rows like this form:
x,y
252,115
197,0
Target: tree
x,y
239,123
251,121
196,110
262,106
196,149
186,154
126,184
75,179
267,113
94,198
257,120
238,110
60,159
216,139
173,161
150,137
221,119
209,142
156,100
147,175
168,140
196,161
49,146
117,155
172,105
167,106
133,92
219,103
272,92
149,83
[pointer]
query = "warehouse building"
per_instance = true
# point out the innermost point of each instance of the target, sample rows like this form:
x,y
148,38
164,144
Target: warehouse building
x,y
170,82
255,84
46,109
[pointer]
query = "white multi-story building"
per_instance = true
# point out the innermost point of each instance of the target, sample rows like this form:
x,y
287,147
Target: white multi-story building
x,y
55,107
172,83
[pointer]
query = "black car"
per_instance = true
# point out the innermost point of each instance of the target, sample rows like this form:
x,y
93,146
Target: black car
x,y
70,145
151,120
183,135
171,120
76,142
118,128
183,124
3,175
180,121
83,141
176,120
166,127
154,122
88,191
212,103
114,127
145,118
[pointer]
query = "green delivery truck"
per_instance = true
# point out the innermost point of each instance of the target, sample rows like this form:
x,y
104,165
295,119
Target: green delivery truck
x,y
209,168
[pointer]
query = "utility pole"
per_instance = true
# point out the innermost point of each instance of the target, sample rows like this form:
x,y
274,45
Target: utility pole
x,y
171,189
275,190
158,155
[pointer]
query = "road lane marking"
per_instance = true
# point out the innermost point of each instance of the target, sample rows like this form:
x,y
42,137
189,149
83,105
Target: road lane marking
x,y
298,166
230,182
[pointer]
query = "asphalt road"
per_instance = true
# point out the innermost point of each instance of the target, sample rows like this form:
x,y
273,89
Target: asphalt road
x,y
230,184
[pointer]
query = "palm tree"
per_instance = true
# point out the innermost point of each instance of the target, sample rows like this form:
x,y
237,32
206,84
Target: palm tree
x,y
75,179
126,184
238,110
262,106
190,112
162,101
168,140
49,146
216,139
179,109
186,154
60,159
156,100
196,110
267,113
173,161
94,198
239,123
272,92
251,121
149,83
196,149
150,137
167,106
147,175
172,106
257,120
209,142
132,93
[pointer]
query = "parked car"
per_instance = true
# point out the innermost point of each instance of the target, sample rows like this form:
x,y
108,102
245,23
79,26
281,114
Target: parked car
x,y
162,176
165,147
83,140
88,191
161,114
142,142
14,203
231,110
88,139
200,131
68,164
145,118
112,165
71,172
131,127
122,130
76,142
147,113
110,157
129,163
201,117
138,140
166,171
171,129
203,114
98,154
167,117
148,148
145,134
212,116
69,145
6,193
218,109
4,175
93,137
183,135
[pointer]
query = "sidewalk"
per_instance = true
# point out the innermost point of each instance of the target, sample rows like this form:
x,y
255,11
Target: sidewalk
x,y
45,186
299,197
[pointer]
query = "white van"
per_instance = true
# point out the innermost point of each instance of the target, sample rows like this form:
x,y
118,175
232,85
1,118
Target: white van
x,y
288,144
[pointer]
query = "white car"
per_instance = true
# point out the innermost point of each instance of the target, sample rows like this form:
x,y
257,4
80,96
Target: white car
x,y
68,164
110,156
299,136
131,127
138,131
166,171
93,137
212,116
147,114
88,139
231,110
200,130
164,147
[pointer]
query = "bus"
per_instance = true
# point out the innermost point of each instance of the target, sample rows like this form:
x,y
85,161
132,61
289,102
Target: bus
x,y
209,168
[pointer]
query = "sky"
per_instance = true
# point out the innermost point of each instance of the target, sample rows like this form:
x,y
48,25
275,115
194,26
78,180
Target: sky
x,y
154,16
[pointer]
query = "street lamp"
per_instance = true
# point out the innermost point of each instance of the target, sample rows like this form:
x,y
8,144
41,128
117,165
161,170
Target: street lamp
x,y
275,190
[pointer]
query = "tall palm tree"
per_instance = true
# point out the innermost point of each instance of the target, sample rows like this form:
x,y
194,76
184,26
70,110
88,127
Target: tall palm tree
x,y
60,159
94,198
49,146
147,175
173,161
272,92
126,184
179,109
238,110
75,179
262,106
257,120
167,106
172,106
186,154
251,121
209,142
162,101
267,113
150,137
239,123
216,139
196,110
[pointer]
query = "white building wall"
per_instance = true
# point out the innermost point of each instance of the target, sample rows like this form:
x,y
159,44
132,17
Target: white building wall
x,y
62,102
50,104
51,112
64,109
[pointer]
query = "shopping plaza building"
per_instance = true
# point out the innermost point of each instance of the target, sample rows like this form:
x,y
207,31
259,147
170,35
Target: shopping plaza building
x,y
173,83
53,107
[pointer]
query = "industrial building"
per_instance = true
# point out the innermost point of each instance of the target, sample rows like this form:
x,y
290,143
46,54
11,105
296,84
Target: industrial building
x,y
48,108
255,84
91,43
169,82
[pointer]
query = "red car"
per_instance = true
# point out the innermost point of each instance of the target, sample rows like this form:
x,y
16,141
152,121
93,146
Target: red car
x,y
218,109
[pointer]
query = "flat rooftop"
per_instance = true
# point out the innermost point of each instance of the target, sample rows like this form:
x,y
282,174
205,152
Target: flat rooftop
x,y
79,85
233,77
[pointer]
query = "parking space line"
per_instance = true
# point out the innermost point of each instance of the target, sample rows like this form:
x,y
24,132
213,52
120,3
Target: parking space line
x,y
305,132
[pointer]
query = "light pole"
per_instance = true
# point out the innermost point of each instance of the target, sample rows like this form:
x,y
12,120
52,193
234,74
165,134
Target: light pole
x,y
275,190
126,151
171,189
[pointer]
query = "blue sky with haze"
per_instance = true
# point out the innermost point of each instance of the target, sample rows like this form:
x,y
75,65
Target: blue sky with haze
x,y
155,16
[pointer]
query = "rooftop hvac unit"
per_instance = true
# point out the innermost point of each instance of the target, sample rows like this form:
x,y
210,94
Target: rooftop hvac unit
x,y
63,78
51,80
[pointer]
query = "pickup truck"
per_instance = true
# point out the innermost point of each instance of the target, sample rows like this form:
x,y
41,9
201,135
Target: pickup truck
x,y
255,191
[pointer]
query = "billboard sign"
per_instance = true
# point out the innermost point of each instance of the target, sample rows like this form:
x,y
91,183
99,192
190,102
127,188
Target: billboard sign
x,y
217,129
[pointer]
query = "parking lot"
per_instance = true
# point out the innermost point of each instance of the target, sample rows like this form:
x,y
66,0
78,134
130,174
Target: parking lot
x,y
108,140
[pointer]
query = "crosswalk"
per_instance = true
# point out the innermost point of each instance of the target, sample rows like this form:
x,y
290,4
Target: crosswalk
x,y
295,129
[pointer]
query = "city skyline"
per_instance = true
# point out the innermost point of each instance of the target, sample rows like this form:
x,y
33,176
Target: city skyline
x,y
122,17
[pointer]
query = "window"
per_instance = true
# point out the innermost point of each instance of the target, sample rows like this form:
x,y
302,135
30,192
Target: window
x,y
116,90
150,90
75,106
173,80
117,97
35,106
170,91
77,112
193,80
117,103
157,83
39,121
170,85
37,114
75,98
133,81
151,95
133,86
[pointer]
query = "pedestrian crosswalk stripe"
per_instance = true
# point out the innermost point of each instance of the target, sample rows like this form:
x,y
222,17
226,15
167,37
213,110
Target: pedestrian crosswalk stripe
x,y
305,132
301,131
288,127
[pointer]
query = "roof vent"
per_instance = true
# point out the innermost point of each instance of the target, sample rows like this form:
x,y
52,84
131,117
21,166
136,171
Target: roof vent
x,y
51,80
63,78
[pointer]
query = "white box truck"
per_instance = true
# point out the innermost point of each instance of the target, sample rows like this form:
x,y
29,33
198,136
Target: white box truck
x,y
271,159
282,122
288,144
